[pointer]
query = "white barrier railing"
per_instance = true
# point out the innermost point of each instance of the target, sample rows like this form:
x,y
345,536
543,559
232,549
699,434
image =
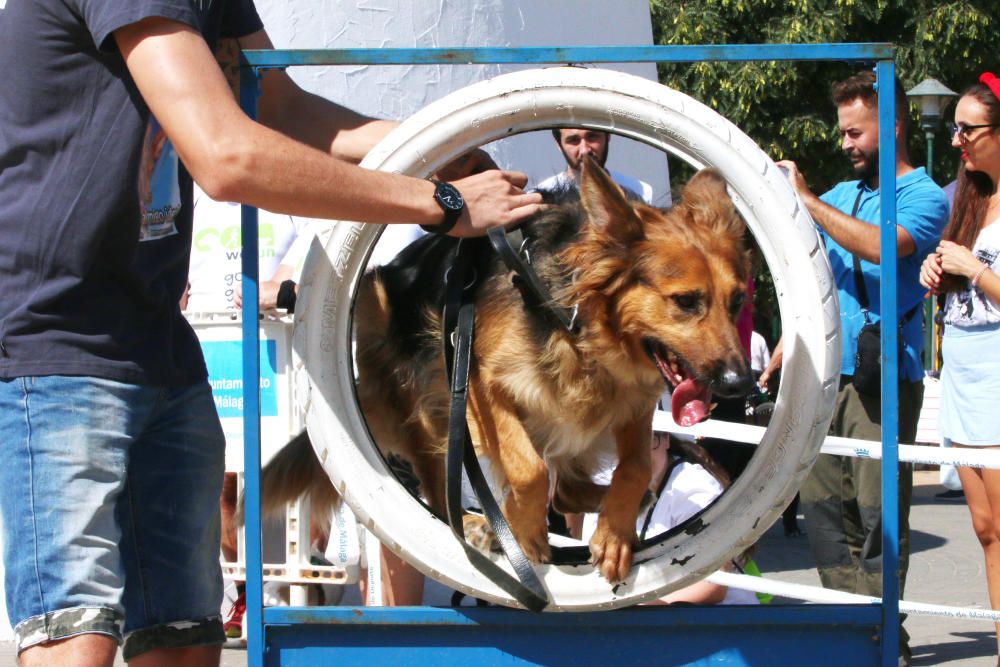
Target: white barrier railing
x,y
735,432
871,449
828,596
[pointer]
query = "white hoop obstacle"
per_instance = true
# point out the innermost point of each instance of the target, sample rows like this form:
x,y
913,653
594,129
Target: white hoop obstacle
x,y
665,119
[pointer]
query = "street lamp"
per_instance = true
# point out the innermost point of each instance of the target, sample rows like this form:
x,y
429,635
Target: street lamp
x,y
932,97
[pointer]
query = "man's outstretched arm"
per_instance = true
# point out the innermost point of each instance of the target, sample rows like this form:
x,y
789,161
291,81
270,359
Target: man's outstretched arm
x,y
236,159
287,108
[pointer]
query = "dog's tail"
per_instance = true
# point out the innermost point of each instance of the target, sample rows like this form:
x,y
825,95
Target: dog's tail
x,y
293,472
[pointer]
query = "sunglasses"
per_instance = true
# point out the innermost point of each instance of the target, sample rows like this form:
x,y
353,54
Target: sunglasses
x,y
963,130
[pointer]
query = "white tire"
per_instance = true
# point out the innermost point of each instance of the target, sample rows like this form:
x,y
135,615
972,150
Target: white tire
x,y
662,118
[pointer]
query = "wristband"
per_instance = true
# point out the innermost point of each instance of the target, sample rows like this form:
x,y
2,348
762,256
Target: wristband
x,y
979,274
286,296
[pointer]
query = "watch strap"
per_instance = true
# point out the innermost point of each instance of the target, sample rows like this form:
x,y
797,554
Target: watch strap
x,y
451,215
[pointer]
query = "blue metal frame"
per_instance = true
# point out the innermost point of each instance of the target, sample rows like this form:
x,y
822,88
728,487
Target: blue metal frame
x,y
681,636
885,74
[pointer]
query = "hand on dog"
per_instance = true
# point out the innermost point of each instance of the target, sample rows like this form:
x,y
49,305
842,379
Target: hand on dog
x,y
611,550
494,198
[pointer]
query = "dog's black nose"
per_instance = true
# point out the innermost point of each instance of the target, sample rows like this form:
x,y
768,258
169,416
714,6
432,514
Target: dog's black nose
x,y
734,382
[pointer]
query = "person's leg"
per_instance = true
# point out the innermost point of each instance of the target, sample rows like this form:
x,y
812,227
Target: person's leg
x,y
866,424
823,508
190,656
227,509
171,533
789,518
862,420
233,621
822,499
402,584
911,400
982,494
88,650
66,455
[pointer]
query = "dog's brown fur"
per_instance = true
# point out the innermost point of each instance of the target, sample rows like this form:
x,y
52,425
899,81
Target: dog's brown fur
x,y
544,403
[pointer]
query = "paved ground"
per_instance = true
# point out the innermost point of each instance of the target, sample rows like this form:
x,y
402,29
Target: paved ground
x,y
946,568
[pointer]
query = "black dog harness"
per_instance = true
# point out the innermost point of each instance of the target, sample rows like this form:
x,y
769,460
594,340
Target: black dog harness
x,y
535,292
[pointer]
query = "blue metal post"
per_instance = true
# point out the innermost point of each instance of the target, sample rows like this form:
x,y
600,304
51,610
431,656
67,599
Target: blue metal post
x,y
253,617
885,73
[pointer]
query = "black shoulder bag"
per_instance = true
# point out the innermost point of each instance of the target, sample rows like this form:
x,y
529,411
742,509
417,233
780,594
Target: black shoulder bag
x,y
868,358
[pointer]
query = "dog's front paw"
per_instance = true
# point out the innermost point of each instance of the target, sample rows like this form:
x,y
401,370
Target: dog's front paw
x,y
531,532
611,551
479,534
536,546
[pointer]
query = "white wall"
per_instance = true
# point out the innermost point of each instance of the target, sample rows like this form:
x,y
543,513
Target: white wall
x,y
398,91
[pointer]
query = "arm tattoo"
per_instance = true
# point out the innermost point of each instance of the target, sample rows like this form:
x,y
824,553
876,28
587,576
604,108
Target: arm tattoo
x,y
227,54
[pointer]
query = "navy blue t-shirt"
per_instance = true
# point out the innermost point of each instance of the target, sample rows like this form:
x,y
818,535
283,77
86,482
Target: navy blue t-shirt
x,y
95,206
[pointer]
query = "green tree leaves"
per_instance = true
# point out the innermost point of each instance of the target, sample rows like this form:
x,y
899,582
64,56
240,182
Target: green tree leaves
x,y
786,107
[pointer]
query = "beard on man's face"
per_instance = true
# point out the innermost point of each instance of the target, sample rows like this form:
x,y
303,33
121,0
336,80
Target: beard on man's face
x,y
577,165
865,164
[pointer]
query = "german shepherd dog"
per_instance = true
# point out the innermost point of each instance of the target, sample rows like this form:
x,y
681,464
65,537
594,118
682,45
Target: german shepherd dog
x,y
657,294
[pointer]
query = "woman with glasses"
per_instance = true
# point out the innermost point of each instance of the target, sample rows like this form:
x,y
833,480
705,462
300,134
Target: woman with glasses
x,y
965,268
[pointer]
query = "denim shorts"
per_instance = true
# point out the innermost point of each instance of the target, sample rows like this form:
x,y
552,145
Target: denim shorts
x,y
109,495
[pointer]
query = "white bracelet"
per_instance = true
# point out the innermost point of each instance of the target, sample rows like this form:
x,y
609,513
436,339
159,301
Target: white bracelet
x,y
979,274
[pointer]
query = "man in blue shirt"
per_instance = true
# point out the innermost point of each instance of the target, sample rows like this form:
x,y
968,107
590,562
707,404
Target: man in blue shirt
x,y
841,499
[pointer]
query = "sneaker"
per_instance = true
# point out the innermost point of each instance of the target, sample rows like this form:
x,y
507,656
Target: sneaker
x,y
950,494
234,618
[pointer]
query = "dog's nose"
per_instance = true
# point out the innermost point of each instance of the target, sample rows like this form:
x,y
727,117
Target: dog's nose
x,y
734,381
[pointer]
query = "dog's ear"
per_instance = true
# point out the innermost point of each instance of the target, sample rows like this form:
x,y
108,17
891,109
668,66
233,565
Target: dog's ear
x,y
708,203
606,205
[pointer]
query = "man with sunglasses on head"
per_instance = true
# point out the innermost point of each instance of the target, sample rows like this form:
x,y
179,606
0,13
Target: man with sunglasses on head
x,y
842,499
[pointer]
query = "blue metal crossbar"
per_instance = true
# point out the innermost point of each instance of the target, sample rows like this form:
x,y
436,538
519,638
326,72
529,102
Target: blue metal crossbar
x,y
569,54
678,636
778,635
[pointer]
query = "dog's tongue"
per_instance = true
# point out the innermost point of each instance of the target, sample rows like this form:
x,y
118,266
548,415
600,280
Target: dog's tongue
x,y
689,402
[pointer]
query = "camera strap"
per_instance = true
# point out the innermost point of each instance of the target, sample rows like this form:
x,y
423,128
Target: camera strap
x,y
859,280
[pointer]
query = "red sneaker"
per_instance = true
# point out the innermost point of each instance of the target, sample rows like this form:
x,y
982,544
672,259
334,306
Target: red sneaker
x,y
234,618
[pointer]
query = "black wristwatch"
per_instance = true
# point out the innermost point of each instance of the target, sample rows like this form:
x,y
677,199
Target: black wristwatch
x,y
451,202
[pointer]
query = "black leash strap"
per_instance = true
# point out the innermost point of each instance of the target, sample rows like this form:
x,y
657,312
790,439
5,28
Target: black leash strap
x,y
459,323
525,278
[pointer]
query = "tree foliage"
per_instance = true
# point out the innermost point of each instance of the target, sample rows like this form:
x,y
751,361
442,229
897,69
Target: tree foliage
x,y
785,106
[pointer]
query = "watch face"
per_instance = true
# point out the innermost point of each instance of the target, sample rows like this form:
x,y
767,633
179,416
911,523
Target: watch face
x,y
449,197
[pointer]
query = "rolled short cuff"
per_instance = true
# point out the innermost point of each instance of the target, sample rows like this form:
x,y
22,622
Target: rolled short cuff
x,y
65,623
178,634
